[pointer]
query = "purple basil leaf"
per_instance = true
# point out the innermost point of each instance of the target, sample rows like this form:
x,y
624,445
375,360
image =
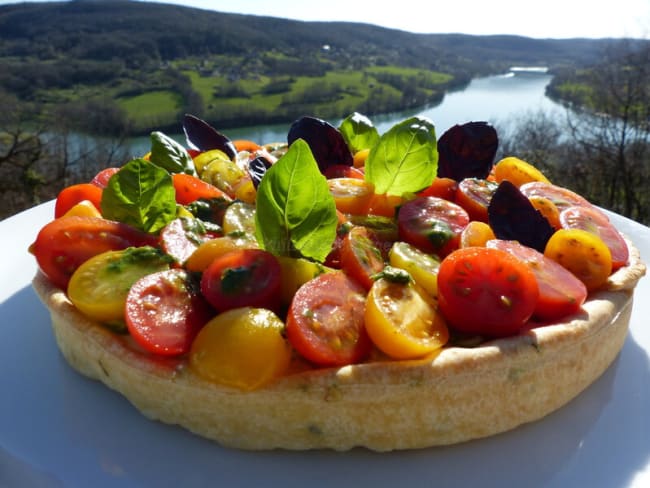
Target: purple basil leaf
x,y
202,136
257,169
325,141
467,151
513,217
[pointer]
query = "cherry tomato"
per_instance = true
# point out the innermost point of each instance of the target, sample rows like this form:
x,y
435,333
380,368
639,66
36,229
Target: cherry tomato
x,y
72,195
207,251
432,224
548,210
242,348
402,320
517,172
560,196
476,234
246,145
583,253
84,208
351,195
593,220
243,278
98,288
486,291
474,194
421,266
343,171
101,178
361,258
561,293
190,188
442,188
384,205
325,321
359,158
295,273
63,244
164,312
182,236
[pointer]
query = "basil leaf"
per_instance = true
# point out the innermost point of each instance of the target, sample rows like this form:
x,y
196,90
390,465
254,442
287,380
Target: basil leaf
x,y
405,159
140,194
295,212
358,132
170,155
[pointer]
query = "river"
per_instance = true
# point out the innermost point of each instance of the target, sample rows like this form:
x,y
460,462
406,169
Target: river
x,y
496,99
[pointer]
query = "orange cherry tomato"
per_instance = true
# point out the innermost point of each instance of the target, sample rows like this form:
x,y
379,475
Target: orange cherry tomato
x,y
190,188
351,195
384,205
441,188
72,195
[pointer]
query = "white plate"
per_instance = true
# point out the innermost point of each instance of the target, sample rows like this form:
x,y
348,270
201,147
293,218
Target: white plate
x,y
58,428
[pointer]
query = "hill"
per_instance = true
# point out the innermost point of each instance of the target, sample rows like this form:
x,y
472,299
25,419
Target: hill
x,y
123,66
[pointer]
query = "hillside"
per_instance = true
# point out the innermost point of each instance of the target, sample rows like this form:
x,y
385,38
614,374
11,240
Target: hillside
x,y
125,67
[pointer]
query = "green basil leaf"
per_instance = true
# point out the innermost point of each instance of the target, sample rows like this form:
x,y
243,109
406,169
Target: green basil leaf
x,y
358,132
170,155
405,159
140,194
295,211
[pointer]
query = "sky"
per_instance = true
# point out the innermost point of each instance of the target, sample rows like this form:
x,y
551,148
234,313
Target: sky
x,y
540,19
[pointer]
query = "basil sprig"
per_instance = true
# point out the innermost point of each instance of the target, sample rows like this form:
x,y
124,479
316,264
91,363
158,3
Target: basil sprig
x,y
170,155
295,212
405,160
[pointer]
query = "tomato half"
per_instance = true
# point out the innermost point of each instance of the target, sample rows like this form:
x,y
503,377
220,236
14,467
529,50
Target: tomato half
x,y
72,195
182,236
595,221
351,195
101,178
486,291
360,256
164,312
441,188
63,244
474,194
343,171
325,322
243,278
560,196
432,224
561,293
190,188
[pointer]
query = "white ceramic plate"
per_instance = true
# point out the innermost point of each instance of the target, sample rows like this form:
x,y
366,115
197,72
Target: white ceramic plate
x,y
58,429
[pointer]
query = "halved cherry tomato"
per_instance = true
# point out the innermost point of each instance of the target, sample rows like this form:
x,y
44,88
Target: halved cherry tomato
x,y
517,172
182,236
343,171
63,244
325,322
351,195
476,234
72,195
242,348
486,291
561,293
190,188
548,210
99,287
246,145
432,224
243,278
101,178
384,205
421,266
208,250
84,208
164,312
560,196
361,258
583,253
474,195
596,222
402,320
441,188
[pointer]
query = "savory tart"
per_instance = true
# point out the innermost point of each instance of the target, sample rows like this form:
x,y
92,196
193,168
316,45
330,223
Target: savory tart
x,y
449,378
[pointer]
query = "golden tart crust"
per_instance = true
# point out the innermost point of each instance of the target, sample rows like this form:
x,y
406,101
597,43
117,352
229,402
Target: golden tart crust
x,y
457,395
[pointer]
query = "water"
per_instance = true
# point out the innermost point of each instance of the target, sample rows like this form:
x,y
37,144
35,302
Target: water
x,y
498,99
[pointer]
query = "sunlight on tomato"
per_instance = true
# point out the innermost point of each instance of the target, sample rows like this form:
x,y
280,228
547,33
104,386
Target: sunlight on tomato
x,y
517,172
402,320
242,348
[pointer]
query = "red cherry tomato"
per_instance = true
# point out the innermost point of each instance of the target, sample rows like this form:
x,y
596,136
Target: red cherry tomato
x,y
243,278
164,312
64,244
441,188
182,236
432,224
560,196
595,221
71,195
486,291
190,188
561,293
101,178
361,257
474,194
325,323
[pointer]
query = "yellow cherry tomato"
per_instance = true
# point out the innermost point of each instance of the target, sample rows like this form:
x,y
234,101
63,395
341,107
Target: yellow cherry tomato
x,y
421,266
548,209
296,272
359,158
517,171
351,195
402,320
84,208
476,234
242,348
583,253
207,251
203,159
98,288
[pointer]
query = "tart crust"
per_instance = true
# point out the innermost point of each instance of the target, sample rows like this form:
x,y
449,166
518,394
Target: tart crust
x,y
455,396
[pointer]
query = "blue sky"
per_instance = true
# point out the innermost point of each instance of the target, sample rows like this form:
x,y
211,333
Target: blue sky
x,y
540,19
